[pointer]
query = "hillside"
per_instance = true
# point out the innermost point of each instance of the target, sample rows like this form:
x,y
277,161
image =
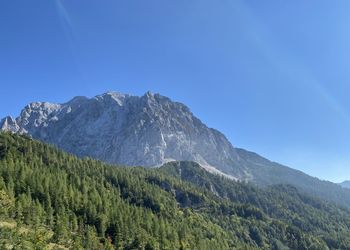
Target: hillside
x,y
151,130
52,199
281,202
267,173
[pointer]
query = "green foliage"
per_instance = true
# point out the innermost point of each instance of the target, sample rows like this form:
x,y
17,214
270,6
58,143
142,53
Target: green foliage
x,y
51,199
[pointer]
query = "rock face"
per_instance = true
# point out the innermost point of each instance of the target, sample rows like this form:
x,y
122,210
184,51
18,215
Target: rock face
x,y
151,130
9,124
130,130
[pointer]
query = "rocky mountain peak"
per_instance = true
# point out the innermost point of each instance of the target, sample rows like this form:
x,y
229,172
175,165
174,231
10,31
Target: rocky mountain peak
x,y
8,124
150,130
77,101
118,128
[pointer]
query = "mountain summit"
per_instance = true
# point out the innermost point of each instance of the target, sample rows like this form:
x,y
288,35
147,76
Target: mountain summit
x,y
130,130
149,131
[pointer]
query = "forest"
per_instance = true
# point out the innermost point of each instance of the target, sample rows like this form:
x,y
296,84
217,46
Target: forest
x,y
50,199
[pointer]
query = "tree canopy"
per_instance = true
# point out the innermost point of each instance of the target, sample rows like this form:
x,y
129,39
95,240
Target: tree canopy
x,y
51,199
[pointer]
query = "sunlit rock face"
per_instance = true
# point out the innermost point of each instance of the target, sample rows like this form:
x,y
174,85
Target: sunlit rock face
x,y
150,130
130,130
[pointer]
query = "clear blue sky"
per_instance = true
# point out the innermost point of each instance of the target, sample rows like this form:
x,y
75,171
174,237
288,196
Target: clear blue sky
x,y
271,75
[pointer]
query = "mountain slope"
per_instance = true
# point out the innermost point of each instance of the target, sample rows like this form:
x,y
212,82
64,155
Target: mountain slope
x,y
52,198
345,184
149,131
271,173
282,202
129,130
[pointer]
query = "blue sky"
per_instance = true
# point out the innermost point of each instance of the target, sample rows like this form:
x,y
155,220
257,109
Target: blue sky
x,y
273,76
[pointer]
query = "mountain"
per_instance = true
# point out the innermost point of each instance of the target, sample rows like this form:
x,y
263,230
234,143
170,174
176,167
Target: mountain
x,y
149,131
53,200
130,130
267,173
345,184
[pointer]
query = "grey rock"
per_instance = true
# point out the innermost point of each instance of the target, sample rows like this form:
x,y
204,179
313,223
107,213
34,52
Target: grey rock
x,y
9,124
129,130
151,130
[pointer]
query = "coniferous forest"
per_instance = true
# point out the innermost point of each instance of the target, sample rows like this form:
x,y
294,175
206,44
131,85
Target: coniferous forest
x,y
53,200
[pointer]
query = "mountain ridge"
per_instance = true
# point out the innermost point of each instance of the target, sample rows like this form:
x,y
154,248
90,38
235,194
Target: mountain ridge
x,y
151,130
51,198
156,129
345,184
